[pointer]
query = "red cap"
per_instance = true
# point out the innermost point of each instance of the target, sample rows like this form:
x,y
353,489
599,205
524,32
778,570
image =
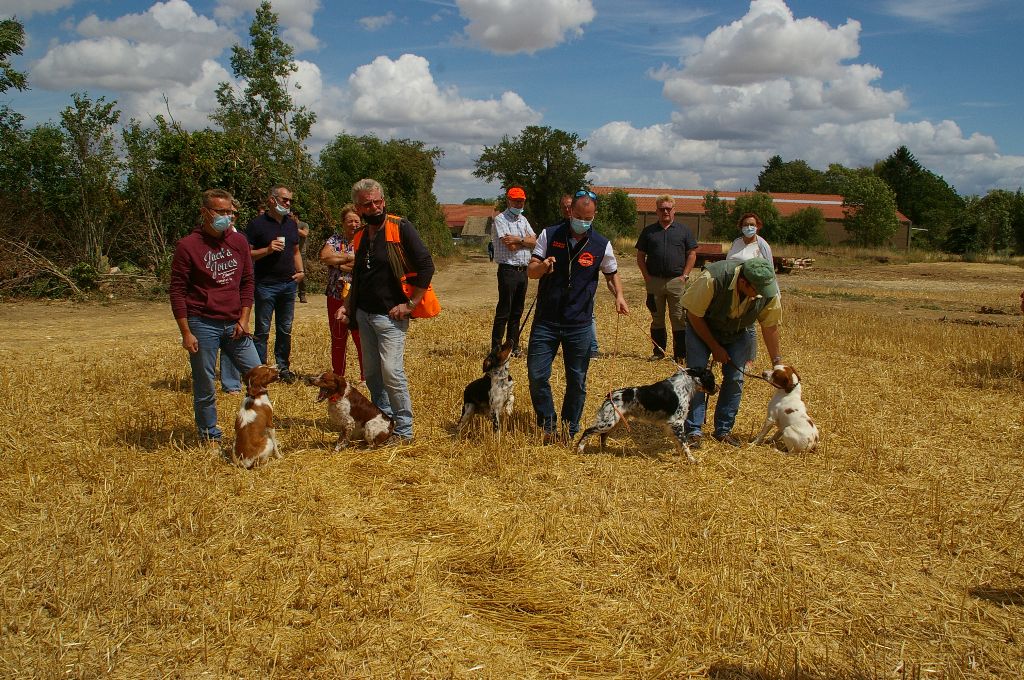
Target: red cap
x,y
516,193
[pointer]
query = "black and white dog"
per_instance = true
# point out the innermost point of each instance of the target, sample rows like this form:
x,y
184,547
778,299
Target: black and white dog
x,y
665,402
492,394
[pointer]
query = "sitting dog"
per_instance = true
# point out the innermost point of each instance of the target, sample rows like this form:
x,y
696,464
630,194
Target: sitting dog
x,y
492,394
254,426
665,402
787,412
353,413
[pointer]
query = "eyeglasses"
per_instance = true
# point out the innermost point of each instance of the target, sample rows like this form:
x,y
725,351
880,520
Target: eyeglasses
x,y
226,211
372,203
282,199
585,192
665,209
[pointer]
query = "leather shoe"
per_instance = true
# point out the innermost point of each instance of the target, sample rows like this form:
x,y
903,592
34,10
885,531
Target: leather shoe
x,y
728,438
694,441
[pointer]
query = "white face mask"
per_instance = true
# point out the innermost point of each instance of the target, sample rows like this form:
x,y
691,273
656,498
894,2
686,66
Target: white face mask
x,y
749,230
282,210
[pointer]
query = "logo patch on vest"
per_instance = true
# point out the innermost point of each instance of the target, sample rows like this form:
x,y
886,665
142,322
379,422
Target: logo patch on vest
x,y
558,244
586,260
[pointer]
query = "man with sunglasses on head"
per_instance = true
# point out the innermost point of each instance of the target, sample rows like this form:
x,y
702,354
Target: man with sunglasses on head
x,y
274,240
211,298
666,252
568,259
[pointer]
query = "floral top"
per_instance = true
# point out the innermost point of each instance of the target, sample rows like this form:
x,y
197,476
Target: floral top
x,y
336,279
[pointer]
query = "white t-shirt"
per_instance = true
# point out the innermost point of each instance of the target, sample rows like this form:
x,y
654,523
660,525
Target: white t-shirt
x,y
609,265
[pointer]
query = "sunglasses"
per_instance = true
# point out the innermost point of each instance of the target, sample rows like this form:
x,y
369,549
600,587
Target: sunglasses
x,y
282,200
584,192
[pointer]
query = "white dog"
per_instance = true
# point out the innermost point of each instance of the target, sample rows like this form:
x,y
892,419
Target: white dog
x,y
787,412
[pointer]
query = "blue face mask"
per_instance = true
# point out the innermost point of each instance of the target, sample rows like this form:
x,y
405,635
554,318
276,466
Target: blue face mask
x,y
516,211
221,223
749,230
282,210
580,226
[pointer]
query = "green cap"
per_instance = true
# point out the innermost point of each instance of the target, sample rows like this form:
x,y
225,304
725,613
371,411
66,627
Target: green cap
x,y
761,275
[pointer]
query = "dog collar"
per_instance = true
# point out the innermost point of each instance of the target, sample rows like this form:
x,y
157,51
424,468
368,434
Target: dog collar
x,y
335,398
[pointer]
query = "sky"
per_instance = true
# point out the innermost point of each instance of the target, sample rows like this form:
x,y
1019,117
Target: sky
x,y
666,93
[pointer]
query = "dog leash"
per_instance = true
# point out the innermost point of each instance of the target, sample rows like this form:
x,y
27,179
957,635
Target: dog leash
x,y
522,325
757,376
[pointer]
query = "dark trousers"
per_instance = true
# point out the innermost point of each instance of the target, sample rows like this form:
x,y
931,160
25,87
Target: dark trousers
x,y
512,284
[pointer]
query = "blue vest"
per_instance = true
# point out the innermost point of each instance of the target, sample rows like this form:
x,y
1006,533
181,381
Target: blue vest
x,y
566,295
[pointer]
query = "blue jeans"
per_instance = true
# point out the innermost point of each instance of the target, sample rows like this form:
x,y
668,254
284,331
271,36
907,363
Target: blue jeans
x,y
214,335
230,378
275,299
741,350
593,341
545,337
383,342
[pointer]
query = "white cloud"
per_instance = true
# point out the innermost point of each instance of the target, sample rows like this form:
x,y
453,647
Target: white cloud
x,y
24,9
400,98
295,16
937,12
188,103
524,26
378,22
768,84
164,46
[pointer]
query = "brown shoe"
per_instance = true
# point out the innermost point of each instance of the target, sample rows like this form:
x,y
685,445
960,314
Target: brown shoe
x,y
728,438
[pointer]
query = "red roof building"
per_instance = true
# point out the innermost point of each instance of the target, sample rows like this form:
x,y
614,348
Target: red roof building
x,y
689,205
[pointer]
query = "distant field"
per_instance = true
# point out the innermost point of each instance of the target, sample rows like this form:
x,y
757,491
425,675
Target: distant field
x,y
894,551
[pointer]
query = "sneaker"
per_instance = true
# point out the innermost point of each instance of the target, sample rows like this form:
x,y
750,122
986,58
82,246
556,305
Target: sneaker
x,y
596,355
397,440
728,438
287,377
657,356
694,440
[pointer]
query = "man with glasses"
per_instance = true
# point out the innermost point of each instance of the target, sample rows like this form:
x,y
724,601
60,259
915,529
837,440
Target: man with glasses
x,y
274,240
378,303
211,298
567,259
666,252
513,239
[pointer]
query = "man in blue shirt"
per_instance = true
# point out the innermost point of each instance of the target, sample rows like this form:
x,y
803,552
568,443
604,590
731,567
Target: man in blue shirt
x,y
513,239
274,241
567,259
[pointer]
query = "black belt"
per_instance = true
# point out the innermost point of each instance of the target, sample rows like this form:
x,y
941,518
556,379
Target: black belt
x,y
517,267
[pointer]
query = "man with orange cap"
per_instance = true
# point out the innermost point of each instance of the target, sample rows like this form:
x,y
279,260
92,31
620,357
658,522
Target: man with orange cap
x,y
513,241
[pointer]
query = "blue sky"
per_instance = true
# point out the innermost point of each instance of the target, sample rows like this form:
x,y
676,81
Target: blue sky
x,y
667,93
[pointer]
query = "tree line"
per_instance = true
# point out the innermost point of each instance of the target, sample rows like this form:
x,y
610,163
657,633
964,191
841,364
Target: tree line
x,y
92,191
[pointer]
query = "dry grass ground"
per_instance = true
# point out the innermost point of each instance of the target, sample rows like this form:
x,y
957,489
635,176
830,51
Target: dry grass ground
x,y
893,551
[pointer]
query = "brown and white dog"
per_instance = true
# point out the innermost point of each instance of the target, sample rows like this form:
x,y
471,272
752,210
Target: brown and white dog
x,y
254,426
787,412
353,413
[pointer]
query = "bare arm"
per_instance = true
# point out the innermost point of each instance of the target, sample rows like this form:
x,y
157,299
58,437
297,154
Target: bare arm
x,y
539,268
641,264
299,271
615,286
332,258
771,341
691,260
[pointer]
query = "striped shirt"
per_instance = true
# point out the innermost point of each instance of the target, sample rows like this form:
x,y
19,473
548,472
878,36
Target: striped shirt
x,y
510,224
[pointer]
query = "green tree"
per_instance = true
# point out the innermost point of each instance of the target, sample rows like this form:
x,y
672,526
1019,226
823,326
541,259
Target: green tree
x,y
12,41
869,205
794,177
616,214
406,170
95,168
924,197
267,131
806,227
542,160
717,213
478,201
985,224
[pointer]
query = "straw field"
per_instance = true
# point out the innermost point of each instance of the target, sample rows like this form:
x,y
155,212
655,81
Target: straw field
x,y
894,551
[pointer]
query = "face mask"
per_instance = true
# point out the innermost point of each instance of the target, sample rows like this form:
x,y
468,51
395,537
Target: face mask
x,y
282,210
516,211
749,230
580,226
221,223
376,220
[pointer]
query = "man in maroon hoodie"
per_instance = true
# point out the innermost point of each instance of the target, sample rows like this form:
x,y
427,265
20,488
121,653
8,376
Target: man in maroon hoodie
x,y
211,297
